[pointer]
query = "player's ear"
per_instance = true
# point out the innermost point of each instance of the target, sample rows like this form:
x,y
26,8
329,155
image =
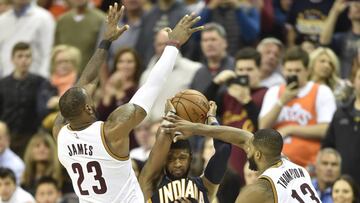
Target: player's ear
x,y
88,109
257,154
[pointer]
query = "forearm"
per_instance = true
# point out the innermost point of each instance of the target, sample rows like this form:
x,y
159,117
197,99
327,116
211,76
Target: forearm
x,y
227,134
91,71
269,119
327,32
154,164
312,131
147,94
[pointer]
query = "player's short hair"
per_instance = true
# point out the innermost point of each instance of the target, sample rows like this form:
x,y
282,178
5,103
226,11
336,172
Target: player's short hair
x,y
72,102
268,141
295,54
20,46
7,173
46,180
249,53
208,27
328,150
181,144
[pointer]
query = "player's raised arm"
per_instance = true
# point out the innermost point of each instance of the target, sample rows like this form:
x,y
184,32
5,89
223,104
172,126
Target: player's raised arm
x,y
150,173
227,134
90,74
259,192
126,117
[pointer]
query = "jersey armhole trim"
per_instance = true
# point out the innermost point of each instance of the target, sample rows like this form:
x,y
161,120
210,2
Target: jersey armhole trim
x,y
149,201
272,186
107,147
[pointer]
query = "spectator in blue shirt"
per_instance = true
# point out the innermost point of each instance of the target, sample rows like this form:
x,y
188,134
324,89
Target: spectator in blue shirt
x,y
327,169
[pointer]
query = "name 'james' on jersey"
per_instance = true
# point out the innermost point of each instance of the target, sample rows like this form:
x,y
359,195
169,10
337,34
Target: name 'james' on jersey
x,y
98,176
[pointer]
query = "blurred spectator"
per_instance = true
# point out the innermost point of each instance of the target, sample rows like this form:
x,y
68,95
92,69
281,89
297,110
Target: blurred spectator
x,y
145,135
4,6
179,79
271,50
9,191
240,104
249,175
324,69
281,11
55,7
40,160
83,22
165,13
343,132
345,190
194,6
8,158
241,21
122,84
345,44
213,45
132,16
308,46
306,20
327,169
47,190
26,22
300,111
20,105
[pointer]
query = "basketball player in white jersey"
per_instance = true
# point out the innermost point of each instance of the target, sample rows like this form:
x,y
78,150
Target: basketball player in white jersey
x,y
95,153
281,181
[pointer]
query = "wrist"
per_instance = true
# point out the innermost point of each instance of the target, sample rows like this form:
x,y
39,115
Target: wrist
x,y
105,44
175,43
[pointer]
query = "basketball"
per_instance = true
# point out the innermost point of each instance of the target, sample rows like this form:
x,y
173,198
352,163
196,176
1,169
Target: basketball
x,y
191,105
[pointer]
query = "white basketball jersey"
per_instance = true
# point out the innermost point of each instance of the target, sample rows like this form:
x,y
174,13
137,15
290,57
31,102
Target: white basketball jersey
x,y
96,174
290,183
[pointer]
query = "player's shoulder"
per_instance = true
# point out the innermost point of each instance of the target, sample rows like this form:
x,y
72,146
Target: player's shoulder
x,y
260,191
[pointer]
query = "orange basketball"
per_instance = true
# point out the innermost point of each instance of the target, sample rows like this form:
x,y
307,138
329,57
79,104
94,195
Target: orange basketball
x,y
191,105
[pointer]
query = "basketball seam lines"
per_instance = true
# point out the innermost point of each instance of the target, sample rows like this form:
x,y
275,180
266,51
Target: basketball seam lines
x,y
186,111
195,104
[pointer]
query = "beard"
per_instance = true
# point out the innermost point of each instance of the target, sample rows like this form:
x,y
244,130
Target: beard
x,y
173,177
252,164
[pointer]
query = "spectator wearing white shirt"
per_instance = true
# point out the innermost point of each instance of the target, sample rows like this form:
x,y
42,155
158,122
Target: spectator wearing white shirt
x,y
145,136
26,22
9,191
8,158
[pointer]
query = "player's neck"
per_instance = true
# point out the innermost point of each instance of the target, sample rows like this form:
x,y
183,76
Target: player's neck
x,y
80,125
268,164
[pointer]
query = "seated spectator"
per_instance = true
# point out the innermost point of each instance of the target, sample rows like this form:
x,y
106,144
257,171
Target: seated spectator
x,y
145,137
122,84
324,69
47,190
301,110
26,22
327,170
343,132
20,105
345,190
345,44
40,160
8,158
240,104
271,50
9,191
178,80
4,6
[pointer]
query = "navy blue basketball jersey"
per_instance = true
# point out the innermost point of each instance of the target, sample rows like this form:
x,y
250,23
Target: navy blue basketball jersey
x,y
191,188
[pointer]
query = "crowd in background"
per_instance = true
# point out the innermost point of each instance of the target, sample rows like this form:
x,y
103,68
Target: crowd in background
x,y
45,45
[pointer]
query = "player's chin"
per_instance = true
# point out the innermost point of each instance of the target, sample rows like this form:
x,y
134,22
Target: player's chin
x,y
178,174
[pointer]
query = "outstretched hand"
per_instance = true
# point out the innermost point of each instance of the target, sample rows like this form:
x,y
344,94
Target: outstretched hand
x,y
178,125
113,31
183,30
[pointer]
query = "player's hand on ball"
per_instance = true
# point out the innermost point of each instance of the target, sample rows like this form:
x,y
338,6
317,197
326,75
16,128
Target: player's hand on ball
x,y
169,107
211,114
183,30
179,125
113,31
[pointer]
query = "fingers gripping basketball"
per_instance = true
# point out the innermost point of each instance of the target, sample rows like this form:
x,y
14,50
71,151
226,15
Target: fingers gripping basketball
x,y
191,105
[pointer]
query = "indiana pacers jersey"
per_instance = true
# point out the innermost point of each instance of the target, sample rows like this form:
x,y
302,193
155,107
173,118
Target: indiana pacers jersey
x,y
97,175
291,183
191,188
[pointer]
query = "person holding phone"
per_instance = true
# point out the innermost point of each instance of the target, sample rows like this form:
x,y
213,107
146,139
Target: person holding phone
x,y
301,110
240,104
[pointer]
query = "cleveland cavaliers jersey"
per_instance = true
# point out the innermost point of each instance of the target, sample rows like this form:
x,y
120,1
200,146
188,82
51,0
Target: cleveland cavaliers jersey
x,y
97,175
169,190
290,183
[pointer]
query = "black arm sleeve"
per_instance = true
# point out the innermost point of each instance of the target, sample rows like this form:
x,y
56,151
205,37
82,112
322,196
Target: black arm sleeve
x,y
217,165
329,140
212,93
253,113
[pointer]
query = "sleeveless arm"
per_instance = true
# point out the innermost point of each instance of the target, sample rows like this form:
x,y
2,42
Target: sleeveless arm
x,y
259,192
